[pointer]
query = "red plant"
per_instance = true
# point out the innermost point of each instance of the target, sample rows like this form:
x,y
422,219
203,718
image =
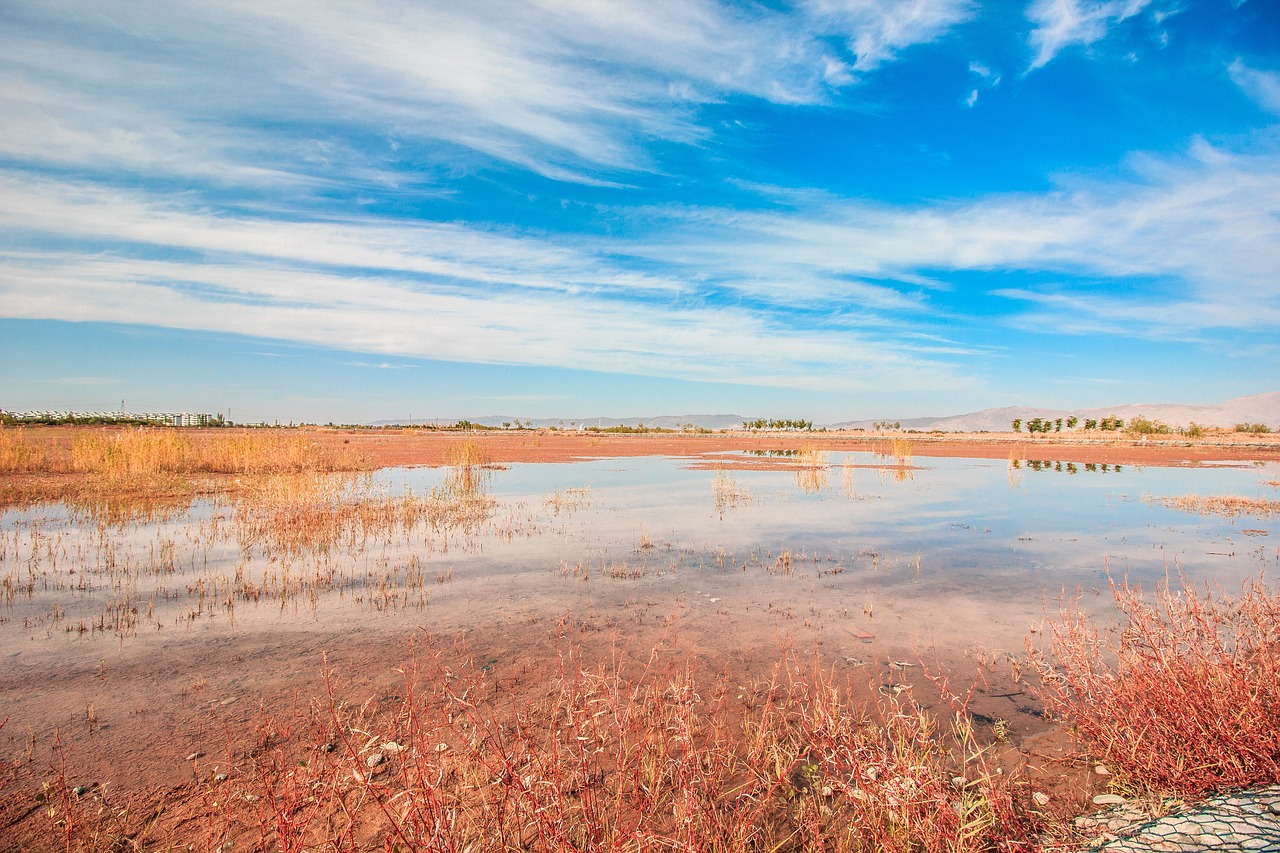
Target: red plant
x,y
1184,697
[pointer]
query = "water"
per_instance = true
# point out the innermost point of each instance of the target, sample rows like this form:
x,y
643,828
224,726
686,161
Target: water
x,y
954,551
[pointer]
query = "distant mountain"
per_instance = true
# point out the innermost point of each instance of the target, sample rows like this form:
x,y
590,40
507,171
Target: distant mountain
x,y
1257,408
662,421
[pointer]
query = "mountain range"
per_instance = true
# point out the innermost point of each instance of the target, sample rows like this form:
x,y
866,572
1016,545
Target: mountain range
x,y
1256,408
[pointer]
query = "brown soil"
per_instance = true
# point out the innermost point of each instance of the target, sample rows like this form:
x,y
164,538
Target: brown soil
x,y
425,447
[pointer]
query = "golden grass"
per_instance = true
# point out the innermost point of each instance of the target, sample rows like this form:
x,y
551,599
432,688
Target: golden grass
x,y
18,454
1227,505
903,451
108,468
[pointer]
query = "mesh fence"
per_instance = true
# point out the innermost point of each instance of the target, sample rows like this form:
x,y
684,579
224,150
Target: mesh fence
x,y
1245,820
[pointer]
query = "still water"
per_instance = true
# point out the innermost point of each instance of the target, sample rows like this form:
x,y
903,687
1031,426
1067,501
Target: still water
x,y
960,551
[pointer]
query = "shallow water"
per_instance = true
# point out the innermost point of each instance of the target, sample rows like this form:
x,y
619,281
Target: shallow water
x,y
945,551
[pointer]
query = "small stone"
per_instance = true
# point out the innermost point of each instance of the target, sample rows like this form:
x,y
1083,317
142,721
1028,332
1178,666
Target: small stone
x,y
392,747
228,700
374,760
1041,798
959,781
1109,800
1101,770
442,747
195,755
827,790
219,777
80,790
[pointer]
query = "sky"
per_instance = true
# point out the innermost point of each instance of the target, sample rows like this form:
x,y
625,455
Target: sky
x,y
338,211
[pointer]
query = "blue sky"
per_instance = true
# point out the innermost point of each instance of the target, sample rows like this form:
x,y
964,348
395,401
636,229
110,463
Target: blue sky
x,y
828,209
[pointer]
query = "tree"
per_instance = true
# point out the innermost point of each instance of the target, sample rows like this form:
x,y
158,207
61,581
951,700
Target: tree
x,y
1072,421
1017,424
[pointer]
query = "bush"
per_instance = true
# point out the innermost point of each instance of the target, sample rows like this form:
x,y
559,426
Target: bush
x,y
1184,698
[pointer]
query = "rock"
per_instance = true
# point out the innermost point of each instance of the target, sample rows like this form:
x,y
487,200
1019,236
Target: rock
x,y
374,760
1101,770
1109,800
195,755
1041,798
219,777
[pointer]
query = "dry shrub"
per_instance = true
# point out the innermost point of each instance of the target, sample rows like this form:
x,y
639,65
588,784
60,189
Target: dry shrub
x,y
656,757
1184,697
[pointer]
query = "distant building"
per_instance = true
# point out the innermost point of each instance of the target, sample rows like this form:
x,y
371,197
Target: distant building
x,y
178,419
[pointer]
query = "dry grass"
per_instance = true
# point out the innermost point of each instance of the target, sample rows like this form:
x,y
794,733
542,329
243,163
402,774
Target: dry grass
x,y
1185,697
653,755
19,454
1228,505
727,493
110,467
903,451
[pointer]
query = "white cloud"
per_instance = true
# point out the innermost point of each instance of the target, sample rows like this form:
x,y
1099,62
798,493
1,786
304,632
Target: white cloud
x,y
1205,226
877,30
247,92
1061,23
1262,86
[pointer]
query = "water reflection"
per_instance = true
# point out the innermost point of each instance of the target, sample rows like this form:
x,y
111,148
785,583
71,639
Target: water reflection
x,y
944,547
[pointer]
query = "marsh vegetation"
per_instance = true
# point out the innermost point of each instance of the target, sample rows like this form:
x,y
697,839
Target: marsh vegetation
x,y
650,654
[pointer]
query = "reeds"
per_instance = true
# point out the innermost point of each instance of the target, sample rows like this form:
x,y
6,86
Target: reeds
x,y
1226,505
18,454
1184,697
903,451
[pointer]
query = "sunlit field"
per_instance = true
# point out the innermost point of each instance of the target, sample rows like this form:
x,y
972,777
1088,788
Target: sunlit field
x,y
262,641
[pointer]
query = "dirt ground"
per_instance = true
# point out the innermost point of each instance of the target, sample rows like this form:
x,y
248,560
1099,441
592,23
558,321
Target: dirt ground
x,y
153,727
427,447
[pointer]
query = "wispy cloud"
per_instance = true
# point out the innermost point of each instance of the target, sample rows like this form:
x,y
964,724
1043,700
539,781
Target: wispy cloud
x,y
283,91
1262,86
1061,23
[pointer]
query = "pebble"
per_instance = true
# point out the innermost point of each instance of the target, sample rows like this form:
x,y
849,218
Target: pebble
x,y
193,756
374,760
392,747
1101,770
219,777
1109,800
1041,798
80,790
